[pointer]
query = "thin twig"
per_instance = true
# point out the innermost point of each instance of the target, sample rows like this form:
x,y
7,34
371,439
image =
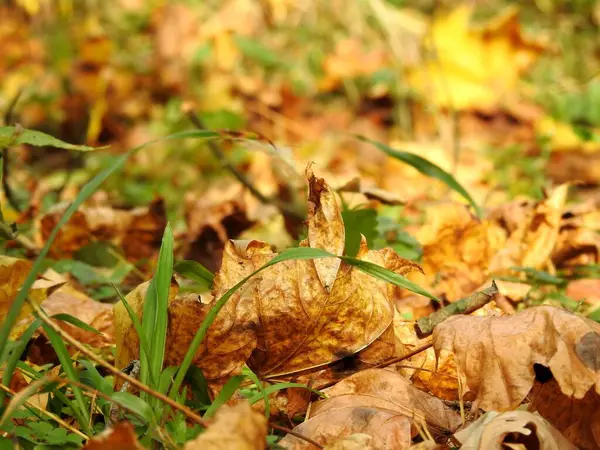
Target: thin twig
x,y
416,351
47,413
218,153
466,305
141,386
296,434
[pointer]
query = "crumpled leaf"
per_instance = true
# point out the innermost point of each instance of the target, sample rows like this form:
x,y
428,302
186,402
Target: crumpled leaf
x,y
67,300
495,431
388,429
457,250
120,437
386,390
532,243
353,442
13,272
291,317
577,419
138,232
325,229
236,427
497,354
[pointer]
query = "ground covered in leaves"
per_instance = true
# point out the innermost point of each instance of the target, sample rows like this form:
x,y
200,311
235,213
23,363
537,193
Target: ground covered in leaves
x,y
274,224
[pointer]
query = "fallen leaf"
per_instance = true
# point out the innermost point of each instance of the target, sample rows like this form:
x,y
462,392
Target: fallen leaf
x,y
388,429
532,243
473,68
383,389
352,442
294,315
137,231
577,419
235,427
120,437
496,354
496,431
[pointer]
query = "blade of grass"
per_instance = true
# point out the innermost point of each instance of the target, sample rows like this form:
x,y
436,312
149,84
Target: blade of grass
x,y
263,393
194,271
145,346
15,355
76,322
134,404
81,412
426,168
224,395
157,335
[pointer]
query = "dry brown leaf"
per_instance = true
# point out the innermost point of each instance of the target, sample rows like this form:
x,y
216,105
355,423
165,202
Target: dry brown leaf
x,y
383,389
235,427
13,272
388,429
138,231
497,354
120,437
325,229
353,442
495,431
458,250
213,218
295,315
428,445
577,419
532,243
68,300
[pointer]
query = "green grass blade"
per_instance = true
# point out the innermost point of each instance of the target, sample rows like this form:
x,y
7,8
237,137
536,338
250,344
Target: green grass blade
x,y
162,285
64,357
76,322
134,404
263,392
15,355
426,168
144,345
387,275
224,395
10,136
194,271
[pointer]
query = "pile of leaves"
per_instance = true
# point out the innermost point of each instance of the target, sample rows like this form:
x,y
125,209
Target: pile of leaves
x,y
222,265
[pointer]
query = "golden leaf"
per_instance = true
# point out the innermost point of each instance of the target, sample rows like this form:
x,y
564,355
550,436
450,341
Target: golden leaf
x,y
236,427
497,353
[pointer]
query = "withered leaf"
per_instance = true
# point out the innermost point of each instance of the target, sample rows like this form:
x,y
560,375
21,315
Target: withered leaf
x,y
495,431
120,437
294,315
387,390
388,429
236,427
497,354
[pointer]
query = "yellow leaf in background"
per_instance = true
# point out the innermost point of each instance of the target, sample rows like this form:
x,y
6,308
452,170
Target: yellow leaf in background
x,y
473,68
563,137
